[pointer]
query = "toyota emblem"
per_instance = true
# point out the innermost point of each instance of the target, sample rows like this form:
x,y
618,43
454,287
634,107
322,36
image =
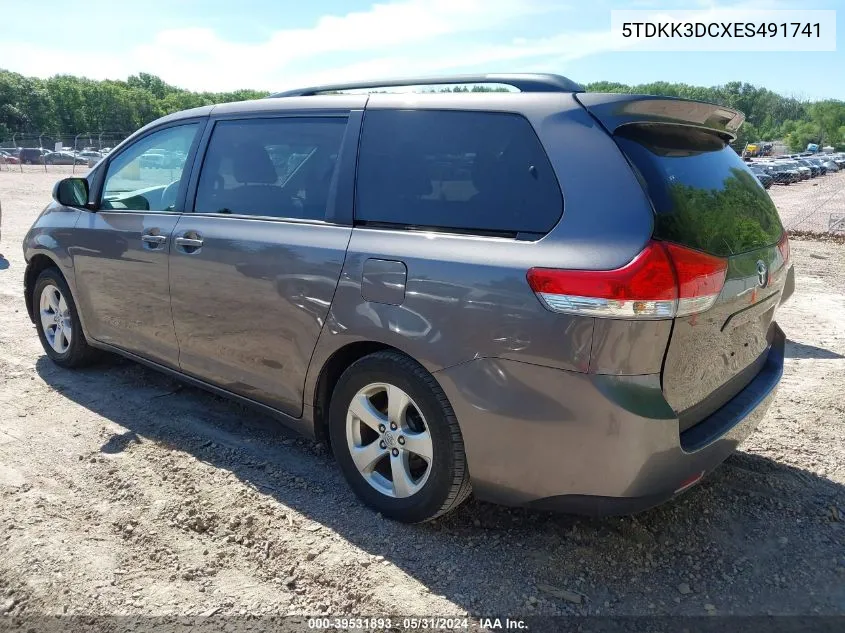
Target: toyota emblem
x,y
762,274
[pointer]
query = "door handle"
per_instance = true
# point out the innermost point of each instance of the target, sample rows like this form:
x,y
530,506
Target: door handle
x,y
188,242
155,240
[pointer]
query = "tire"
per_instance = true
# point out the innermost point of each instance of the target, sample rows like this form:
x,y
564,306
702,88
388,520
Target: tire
x,y
432,487
74,353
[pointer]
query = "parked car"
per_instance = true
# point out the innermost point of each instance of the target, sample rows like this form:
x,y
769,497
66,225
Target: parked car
x,y
163,159
805,166
8,159
64,158
821,161
32,155
839,159
410,289
762,175
89,154
791,175
153,160
815,170
831,166
804,172
782,174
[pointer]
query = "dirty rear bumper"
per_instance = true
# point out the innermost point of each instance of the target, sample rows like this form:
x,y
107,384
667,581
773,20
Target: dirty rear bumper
x,y
591,444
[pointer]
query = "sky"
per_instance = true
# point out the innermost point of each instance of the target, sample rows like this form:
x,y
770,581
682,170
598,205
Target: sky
x,y
273,45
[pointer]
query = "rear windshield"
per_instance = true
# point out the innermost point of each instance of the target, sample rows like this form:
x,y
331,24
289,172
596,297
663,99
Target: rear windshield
x,y
704,195
475,172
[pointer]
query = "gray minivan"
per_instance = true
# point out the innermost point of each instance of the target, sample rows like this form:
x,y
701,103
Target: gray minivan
x,y
548,297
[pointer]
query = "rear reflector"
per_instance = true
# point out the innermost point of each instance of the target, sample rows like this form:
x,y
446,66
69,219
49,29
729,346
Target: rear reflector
x,y
783,247
663,281
689,482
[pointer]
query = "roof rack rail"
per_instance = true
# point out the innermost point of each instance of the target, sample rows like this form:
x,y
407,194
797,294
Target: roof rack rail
x,y
524,82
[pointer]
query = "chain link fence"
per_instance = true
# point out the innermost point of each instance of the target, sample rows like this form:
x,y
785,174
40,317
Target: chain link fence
x,y
46,151
66,141
814,206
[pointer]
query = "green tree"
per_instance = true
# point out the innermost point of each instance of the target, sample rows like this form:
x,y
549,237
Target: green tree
x,y
746,134
804,132
829,116
69,105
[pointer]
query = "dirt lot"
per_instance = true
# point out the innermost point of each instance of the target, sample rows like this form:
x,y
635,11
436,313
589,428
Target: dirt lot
x,y
810,204
123,492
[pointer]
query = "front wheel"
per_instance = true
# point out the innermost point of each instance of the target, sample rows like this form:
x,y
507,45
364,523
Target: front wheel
x,y
57,322
396,439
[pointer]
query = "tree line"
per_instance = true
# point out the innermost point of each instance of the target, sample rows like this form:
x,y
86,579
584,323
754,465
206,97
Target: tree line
x,y
67,104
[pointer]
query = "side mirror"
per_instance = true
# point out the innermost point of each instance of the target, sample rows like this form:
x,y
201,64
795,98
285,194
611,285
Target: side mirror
x,y
71,192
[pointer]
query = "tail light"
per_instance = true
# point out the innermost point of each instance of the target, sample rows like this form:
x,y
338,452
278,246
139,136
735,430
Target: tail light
x,y
663,281
783,247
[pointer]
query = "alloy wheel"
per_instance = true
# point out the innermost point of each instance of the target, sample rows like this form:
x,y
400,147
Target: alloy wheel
x,y
389,440
55,318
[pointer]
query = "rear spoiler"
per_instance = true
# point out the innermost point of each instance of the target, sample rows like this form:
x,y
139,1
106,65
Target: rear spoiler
x,y
615,110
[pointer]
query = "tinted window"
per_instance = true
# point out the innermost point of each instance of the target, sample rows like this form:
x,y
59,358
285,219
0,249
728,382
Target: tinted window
x,y
270,167
473,171
146,176
704,195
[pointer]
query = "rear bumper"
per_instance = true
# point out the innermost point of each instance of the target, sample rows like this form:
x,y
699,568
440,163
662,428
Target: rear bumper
x,y
591,444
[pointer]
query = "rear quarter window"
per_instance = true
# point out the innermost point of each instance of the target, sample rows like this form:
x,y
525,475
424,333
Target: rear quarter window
x,y
704,196
463,171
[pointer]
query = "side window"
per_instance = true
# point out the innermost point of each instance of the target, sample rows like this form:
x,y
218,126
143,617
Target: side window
x,y
146,176
279,168
469,171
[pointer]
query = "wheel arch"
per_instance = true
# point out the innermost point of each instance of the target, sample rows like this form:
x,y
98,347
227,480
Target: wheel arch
x,y
339,361
37,264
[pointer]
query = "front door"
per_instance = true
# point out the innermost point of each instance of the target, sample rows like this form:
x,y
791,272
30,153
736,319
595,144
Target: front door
x,y
121,253
255,267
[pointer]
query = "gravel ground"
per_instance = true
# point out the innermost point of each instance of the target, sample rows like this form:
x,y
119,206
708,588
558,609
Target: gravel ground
x,y
124,492
809,205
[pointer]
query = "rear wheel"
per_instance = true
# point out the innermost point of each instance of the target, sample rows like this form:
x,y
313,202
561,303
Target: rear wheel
x,y
397,440
57,322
